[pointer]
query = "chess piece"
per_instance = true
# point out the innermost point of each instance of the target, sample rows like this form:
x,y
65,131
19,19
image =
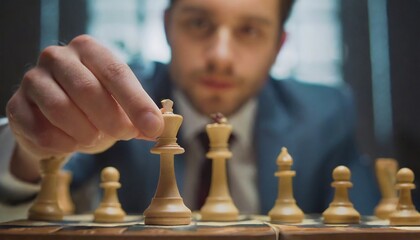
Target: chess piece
x,y
109,210
341,209
63,192
45,206
386,170
219,205
285,209
167,206
406,213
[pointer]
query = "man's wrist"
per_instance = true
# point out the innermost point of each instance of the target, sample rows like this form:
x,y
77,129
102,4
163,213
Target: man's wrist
x,y
23,166
12,189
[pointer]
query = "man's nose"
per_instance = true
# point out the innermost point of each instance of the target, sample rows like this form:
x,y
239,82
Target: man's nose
x,y
220,52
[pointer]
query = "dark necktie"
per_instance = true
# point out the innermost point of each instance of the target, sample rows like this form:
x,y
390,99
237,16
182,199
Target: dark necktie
x,y
205,170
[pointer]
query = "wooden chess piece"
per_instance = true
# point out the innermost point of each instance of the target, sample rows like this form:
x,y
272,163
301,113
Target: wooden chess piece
x,y
341,209
285,208
219,205
109,210
167,206
63,192
45,206
386,171
406,213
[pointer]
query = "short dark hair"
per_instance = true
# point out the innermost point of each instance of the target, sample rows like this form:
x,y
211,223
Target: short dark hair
x,y
285,6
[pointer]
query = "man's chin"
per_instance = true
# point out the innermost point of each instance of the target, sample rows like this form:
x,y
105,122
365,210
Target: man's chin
x,y
213,103
210,108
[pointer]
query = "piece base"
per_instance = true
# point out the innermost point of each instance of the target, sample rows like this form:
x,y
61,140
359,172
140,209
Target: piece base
x,y
219,209
167,221
341,215
109,215
405,218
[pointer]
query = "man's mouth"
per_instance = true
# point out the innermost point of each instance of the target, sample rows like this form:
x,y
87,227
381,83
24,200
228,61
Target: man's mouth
x,y
217,83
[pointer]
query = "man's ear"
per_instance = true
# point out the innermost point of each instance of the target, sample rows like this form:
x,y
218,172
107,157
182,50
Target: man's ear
x,y
166,20
282,39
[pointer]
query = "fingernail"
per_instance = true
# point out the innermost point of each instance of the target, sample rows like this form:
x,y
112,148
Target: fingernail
x,y
95,142
150,125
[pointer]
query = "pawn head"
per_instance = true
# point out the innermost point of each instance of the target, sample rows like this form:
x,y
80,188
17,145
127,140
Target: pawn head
x,y
110,174
341,173
405,175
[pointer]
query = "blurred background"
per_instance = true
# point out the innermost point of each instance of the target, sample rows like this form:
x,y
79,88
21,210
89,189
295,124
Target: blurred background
x,y
371,45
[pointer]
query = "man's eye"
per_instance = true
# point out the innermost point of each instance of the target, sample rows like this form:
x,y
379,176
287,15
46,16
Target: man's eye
x,y
198,26
199,23
249,32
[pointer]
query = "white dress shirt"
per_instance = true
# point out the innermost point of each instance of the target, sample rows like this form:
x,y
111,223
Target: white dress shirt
x,y
242,167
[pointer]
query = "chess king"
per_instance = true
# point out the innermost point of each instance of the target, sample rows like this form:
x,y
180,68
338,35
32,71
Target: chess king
x,y
167,206
219,205
83,102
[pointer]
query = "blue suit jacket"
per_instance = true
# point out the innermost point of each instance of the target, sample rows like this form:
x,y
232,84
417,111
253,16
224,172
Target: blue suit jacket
x,y
315,123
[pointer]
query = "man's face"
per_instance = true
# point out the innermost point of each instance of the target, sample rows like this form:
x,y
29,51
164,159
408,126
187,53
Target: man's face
x,y
222,50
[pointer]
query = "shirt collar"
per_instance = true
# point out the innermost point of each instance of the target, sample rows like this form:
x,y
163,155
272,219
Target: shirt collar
x,y
242,121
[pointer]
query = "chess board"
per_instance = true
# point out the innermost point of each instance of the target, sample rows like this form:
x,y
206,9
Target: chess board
x,y
249,227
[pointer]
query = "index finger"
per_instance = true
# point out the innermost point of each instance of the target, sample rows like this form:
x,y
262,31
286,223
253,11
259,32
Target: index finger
x,y
122,84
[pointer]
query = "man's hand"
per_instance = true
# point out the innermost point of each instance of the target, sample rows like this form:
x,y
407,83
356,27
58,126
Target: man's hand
x,y
79,97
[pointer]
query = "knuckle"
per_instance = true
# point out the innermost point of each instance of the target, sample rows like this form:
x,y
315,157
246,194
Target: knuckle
x,y
81,40
84,85
13,113
29,78
51,53
115,70
12,107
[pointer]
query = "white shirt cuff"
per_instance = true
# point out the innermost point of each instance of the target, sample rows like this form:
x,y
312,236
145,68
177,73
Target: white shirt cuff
x,y
11,188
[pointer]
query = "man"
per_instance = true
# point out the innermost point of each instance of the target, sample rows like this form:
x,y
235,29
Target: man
x,y
80,98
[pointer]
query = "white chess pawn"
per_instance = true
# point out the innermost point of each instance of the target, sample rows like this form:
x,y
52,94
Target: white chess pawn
x,y
406,213
341,209
110,210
